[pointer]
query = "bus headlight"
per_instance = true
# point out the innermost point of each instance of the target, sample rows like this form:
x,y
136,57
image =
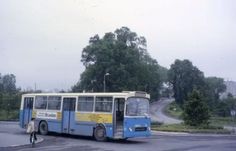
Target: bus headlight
x,y
130,129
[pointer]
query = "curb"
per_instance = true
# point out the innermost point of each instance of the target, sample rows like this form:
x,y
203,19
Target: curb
x,y
14,120
17,145
170,133
189,134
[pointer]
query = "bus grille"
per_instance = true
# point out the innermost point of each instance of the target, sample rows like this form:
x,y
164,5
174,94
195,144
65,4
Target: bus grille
x,y
138,129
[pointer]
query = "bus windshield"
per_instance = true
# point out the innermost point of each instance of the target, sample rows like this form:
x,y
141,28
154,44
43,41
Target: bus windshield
x,y
137,107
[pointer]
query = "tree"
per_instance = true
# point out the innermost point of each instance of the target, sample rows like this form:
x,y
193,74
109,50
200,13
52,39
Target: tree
x,y
9,97
124,55
231,101
213,87
196,111
184,77
9,83
163,72
216,85
224,107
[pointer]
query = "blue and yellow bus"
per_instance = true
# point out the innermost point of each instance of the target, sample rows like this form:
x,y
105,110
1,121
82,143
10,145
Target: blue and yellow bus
x,y
101,115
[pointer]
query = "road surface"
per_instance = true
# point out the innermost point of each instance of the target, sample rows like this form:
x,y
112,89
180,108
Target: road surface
x,y
157,114
159,141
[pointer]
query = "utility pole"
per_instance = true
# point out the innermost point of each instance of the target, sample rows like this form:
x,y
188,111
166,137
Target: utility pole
x,y
104,81
35,87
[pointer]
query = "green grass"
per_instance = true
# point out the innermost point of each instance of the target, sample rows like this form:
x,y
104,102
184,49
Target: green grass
x,y
190,129
222,121
11,115
216,124
173,110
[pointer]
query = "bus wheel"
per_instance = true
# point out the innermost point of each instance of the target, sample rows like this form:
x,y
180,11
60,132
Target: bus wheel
x,y
43,128
124,139
100,133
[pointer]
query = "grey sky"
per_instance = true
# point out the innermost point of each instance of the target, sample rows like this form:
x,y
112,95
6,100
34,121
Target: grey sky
x,y
41,40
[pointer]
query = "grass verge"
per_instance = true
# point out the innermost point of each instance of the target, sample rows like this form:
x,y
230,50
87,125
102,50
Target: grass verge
x,y
223,121
189,129
216,124
9,115
173,110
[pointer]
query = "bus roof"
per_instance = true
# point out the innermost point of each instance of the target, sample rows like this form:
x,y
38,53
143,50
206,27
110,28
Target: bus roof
x,y
124,93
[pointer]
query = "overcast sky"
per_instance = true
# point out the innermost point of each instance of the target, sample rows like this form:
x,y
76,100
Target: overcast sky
x,y
41,40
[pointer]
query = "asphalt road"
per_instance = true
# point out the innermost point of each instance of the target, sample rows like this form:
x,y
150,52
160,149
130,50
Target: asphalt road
x,y
159,141
157,114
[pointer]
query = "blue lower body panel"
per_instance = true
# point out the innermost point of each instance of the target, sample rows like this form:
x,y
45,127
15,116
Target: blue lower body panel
x,y
87,128
54,126
21,119
25,117
84,128
137,127
109,130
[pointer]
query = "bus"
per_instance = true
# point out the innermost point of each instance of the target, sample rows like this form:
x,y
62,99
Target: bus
x,y
120,115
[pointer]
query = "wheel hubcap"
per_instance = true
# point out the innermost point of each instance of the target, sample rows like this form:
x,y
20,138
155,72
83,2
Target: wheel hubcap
x,y
100,132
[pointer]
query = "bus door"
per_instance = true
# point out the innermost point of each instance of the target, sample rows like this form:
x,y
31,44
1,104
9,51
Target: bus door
x,y
27,109
68,115
118,120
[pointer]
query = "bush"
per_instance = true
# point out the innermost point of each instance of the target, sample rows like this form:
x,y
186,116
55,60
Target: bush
x,y
223,107
9,114
196,112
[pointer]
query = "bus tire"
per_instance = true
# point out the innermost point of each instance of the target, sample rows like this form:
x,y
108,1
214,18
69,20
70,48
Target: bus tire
x,y
100,133
124,139
43,128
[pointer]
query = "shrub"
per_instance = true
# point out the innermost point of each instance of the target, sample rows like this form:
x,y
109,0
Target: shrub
x,y
196,112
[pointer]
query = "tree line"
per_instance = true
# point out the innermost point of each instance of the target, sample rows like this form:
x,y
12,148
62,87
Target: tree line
x,y
10,97
123,54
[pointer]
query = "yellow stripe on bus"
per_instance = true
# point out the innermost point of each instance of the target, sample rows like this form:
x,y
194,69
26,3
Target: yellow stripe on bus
x,y
34,114
94,117
59,115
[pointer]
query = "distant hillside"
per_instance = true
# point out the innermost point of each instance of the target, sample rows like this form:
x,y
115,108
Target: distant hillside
x,y
230,88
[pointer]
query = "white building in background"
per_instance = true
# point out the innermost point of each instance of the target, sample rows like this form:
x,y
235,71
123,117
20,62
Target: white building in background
x,y
230,88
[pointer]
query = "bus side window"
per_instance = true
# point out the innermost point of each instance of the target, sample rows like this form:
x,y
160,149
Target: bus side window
x,y
103,104
85,104
40,102
54,102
